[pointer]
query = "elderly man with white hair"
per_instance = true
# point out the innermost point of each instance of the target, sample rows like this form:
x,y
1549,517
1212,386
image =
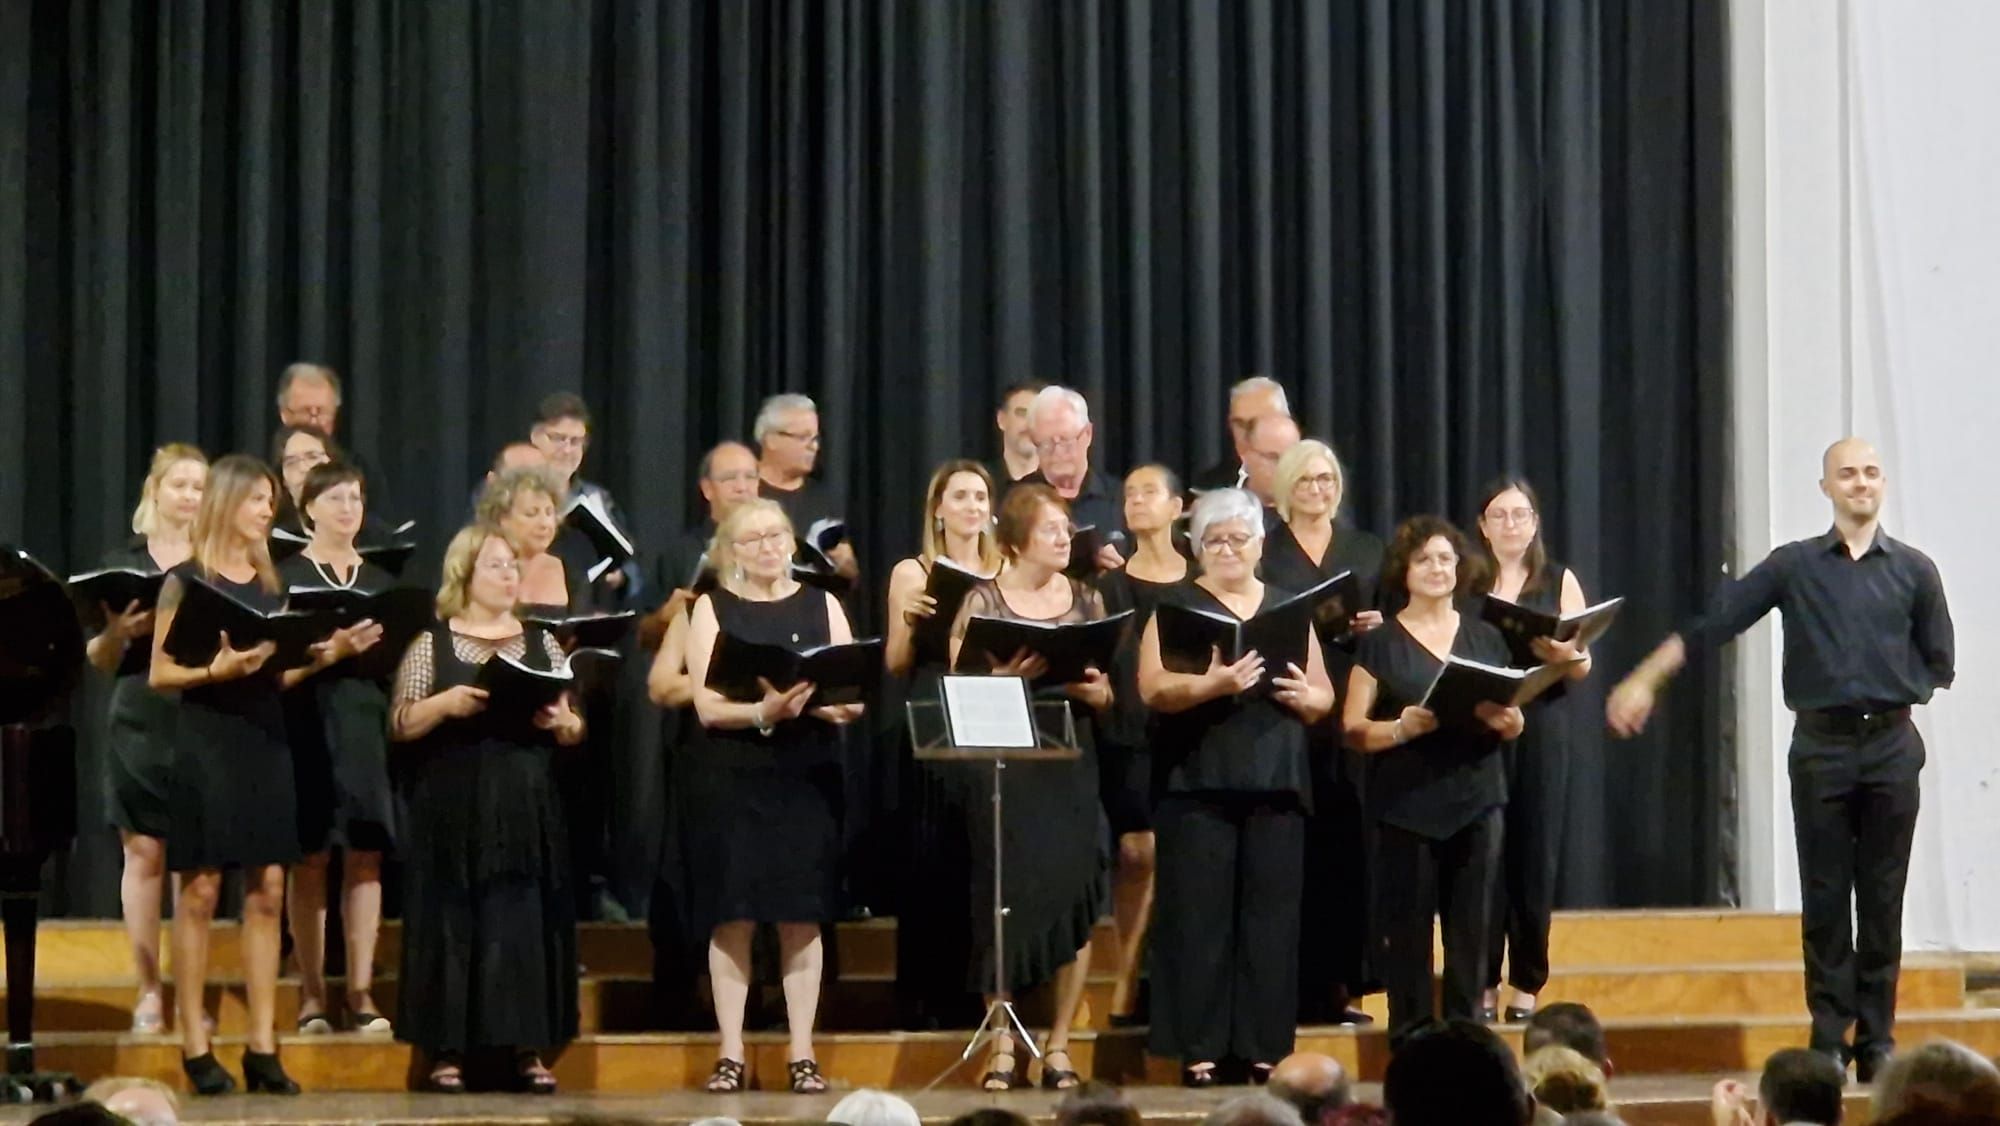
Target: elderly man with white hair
x,y
787,435
1249,400
1059,422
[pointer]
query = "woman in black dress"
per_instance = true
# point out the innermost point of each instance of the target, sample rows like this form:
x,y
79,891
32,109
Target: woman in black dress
x,y
760,804
1231,751
1309,545
295,451
1515,567
489,922
1152,507
338,724
1434,793
232,801
934,920
522,503
1056,885
139,765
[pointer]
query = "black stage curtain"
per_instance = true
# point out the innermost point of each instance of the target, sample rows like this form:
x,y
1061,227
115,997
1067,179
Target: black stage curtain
x,y
1470,235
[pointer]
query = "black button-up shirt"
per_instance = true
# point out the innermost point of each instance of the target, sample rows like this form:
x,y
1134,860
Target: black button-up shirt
x,y
1868,634
1092,506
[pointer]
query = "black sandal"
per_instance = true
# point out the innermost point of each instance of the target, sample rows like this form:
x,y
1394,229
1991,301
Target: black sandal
x,y
726,1079
447,1076
1058,1078
1260,1073
1000,1079
534,1076
1198,1075
806,1079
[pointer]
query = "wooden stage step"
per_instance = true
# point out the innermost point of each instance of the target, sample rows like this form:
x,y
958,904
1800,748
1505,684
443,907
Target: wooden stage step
x,y
665,1062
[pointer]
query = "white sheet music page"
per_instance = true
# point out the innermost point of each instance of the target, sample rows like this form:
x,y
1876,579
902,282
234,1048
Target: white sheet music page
x,y
989,711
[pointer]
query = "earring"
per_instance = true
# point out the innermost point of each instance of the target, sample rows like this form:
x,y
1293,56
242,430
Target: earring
x,y
738,576
938,521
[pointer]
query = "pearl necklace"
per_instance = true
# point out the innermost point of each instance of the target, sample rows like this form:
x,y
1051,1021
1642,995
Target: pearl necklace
x,y
328,575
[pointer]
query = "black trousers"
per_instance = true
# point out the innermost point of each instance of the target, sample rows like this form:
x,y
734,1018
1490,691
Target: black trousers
x,y
1854,811
1334,903
1226,926
1530,855
1418,877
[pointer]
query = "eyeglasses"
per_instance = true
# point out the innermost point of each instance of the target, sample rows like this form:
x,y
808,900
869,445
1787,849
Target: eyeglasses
x,y
1056,533
1508,517
1324,482
774,538
802,437
1060,442
566,441
501,566
1236,544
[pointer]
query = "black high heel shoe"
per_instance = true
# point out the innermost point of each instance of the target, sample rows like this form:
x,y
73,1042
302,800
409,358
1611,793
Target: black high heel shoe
x,y
206,1075
262,1073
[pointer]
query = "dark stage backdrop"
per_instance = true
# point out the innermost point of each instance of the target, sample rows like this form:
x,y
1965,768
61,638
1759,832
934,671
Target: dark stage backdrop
x,y
1469,235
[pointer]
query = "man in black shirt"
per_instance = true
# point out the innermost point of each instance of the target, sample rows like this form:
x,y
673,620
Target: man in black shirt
x,y
1867,635
1017,445
1249,401
1059,420
309,395
728,479
787,434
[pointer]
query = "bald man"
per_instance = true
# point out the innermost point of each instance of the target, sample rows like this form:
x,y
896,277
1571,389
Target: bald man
x,y
1316,1084
1867,636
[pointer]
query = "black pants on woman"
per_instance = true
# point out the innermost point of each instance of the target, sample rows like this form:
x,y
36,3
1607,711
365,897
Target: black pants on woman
x,y
1525,894
1418,877
1226,926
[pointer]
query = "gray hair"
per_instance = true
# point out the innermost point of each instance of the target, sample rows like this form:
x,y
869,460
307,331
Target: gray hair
x,y
311,373
1049,397
1220,506
869,1107
1254,1110
777,407
1942,1074
1263,383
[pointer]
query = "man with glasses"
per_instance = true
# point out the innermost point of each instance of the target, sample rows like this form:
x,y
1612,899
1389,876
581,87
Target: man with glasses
x,y
787,436
728,479
1059,423
1264,443
309,396
561,430
1249,401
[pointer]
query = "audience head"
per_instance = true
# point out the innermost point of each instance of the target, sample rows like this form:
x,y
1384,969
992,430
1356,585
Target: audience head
x,y
1096,1103
1939,1079
1510,527
1570,1025
1359,1114
1851,477
1250,400
1563,1080
146,1102
728,478
1011,419
1588,1118
171,496
755,540
1308,483
335,497
869,1107
1152,498
1034,527
1458,1074
238,502
522,504
1426,559
1314,1083
561,430
1059,423
1254,1110
1270,436
309,395
990,1116
1800,1085
294,452
81,1114
1227,528
959,501
787,436
481,571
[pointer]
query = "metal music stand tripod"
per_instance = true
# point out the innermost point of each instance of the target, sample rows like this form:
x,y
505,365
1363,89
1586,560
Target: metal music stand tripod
x,y
932,730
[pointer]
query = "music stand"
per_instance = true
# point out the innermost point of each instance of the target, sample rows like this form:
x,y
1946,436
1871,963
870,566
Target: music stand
x,y
1051,736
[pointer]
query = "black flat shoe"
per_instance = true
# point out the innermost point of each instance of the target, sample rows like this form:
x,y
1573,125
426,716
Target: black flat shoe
x,y
1869,1063
1260,1073
206,1075
1353,1018
262,1073
1488,1014
1517,1015
1198,1076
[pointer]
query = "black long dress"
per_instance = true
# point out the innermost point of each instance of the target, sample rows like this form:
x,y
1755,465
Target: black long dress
x,y
758,816
338,726
1053,837
489,922
1334,910
139,770
1125,758
232,801
1538,766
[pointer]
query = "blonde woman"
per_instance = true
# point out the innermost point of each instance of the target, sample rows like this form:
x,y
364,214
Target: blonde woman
x,y
140,761
522,503
489,921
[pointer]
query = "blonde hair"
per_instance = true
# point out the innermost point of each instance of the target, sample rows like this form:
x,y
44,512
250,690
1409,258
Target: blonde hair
x,y
145,518
230,481
1565,1081
933,542
455,584
722,545
105,1089
1292,466
496,500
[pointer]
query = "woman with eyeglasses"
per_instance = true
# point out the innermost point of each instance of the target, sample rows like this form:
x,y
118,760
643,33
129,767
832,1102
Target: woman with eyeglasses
x,y
489,921
522,503
1125,777
1053,862
1434,792
338,725
759,790
934,920
1514,565
1308,546
1235,790
295,450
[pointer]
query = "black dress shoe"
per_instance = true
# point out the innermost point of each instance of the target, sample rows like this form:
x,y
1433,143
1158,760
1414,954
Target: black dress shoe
x,y
1869,1062
1353,1018
263,1073
207,1076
